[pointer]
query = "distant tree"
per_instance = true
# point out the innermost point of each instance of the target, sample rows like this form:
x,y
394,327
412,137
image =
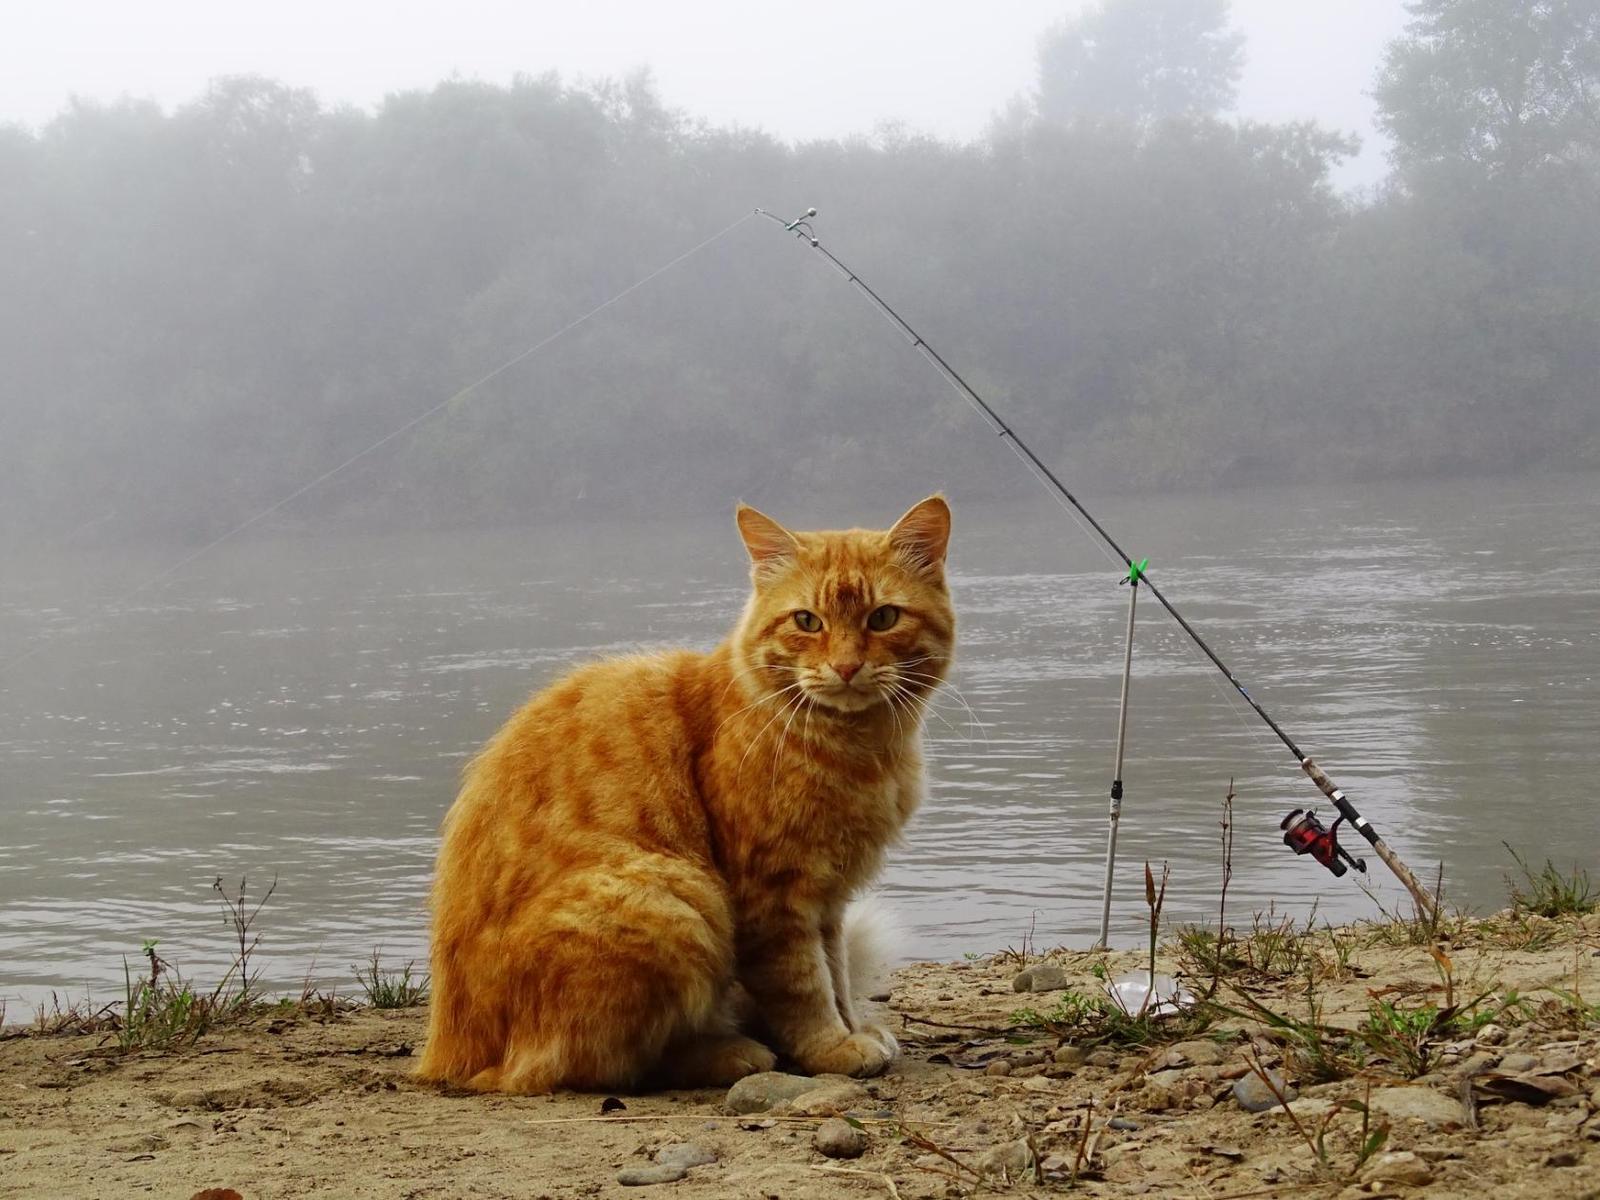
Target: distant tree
x,y
1505,85
1141,60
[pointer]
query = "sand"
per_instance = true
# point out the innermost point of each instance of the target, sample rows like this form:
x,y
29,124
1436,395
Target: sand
x,y
308,1106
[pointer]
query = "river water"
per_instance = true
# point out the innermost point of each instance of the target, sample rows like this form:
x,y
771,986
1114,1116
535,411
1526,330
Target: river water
x,y
300,709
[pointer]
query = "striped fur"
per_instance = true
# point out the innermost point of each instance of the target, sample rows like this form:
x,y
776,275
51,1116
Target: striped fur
x,y
644,878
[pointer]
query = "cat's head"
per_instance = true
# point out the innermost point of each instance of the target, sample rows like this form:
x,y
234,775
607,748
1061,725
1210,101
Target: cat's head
x,y
851,619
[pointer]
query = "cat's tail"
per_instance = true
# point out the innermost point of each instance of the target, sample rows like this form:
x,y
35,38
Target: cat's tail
x,y
873,941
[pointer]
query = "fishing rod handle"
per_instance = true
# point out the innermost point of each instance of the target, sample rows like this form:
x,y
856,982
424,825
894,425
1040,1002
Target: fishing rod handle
x,y
1425,902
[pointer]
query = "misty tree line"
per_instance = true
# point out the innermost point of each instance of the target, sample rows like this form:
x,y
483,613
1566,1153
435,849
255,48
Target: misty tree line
x,y
205,309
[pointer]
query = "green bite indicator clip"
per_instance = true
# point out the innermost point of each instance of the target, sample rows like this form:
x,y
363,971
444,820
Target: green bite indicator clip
x,y
1135,572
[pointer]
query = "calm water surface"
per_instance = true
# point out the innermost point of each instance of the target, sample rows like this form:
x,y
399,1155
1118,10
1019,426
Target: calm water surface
x,y
302,708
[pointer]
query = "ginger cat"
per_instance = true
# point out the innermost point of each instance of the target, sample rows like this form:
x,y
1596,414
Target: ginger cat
x,y
647,868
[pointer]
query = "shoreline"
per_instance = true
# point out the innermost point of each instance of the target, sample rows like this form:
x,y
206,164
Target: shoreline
x,y
1477,1052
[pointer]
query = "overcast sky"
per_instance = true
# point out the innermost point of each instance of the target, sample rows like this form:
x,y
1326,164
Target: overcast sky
x,y
825,68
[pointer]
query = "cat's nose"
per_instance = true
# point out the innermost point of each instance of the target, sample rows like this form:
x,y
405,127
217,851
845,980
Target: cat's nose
x,y
846,670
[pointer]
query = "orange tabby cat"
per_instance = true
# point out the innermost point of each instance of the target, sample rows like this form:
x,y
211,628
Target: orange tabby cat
x,y
647,868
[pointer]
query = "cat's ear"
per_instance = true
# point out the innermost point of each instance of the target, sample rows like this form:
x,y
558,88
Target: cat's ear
x,y
769,544
923,534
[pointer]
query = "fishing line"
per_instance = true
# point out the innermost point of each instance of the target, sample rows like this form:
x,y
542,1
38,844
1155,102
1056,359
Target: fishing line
x,y
1303,833
399,431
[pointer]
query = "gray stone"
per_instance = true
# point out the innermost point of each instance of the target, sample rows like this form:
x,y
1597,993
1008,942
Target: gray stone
x,y
1045,977
1476,1064
1518,1064
1070,1056
1433,1109
758,1093
1013,1159
1201,1052
685,1154
1123,1124
1401,1167
1492,1035
654,1173
1254,1095
998,1067
1104,1058
834,1096
837,1138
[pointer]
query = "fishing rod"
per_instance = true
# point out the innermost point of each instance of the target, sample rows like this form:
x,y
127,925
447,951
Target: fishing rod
x,y
1303,832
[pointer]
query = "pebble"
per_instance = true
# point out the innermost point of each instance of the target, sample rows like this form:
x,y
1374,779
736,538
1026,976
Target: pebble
x,y
1492,1035
758,1093
1046,977
839,1139
1070,1056
1254,1095
833,1096
1562,1158
1433,1109
1123,1123
998,1067
1201,1052
1518,1064
1103,1058
1400,1167
1012,1158
1476,1064
644,1176
1038,1083
685,1154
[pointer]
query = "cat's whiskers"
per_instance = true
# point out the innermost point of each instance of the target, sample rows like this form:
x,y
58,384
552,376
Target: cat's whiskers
x,y
932,690
797,699
757,702
777,749
937,686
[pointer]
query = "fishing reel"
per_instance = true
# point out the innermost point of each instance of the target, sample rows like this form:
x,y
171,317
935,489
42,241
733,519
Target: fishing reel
x,y
1304,834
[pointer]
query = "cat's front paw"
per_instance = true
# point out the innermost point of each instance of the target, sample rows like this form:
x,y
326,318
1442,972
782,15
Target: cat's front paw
x,y
859,1054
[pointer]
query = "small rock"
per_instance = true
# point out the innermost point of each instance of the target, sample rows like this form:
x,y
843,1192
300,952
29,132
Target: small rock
x,y
1202,1052
1476,1064
685,1154
1038,1083
1518,1064
1433,1109
1123,1124
1046,977
1028,1058
758,1093
1401,1167
1311,1106
839,1139
836,1096
654,1173
1562,1158
1070,1056
879,997
998,1067
1254,1095
1492,1035
1013,1159
1103,1058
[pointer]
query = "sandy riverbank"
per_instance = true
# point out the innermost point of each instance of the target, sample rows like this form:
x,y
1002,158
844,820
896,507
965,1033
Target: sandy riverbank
x,y
326,1107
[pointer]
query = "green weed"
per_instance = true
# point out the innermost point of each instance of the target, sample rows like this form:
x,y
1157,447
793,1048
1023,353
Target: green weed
x,y
389,988
1549,893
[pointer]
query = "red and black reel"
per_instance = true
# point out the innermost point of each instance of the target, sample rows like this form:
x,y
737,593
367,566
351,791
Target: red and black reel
x,y
1305,834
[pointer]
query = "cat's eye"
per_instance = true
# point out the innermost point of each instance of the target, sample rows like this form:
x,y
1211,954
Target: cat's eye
x,y
883,617
808,621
